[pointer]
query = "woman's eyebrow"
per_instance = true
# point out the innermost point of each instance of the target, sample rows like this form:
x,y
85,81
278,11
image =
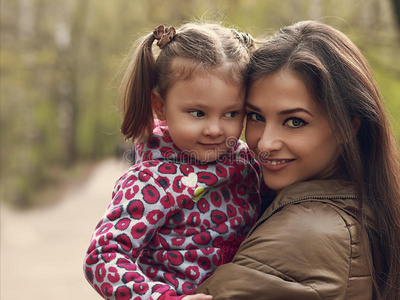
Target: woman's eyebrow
x,y
295,110
283,112
253,107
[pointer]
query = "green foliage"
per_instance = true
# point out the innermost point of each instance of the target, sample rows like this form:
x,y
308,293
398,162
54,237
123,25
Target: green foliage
x,y
390,87
385,63
60,62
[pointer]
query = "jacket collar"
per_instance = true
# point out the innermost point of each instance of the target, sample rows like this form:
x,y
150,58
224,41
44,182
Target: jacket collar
x,y
335,192
331,191
329,188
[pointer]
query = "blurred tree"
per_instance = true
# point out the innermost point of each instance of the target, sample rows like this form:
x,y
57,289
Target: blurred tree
x,y
68,37
396,6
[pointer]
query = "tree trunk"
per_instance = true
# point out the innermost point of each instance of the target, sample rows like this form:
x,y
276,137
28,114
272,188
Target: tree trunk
x,y
68,38
396,11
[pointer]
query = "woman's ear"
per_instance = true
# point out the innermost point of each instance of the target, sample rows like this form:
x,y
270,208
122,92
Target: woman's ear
x,y
356,125
158,105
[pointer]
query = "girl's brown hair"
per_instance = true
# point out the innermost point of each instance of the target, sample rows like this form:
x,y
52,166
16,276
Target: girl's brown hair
x,y
194,48
338,76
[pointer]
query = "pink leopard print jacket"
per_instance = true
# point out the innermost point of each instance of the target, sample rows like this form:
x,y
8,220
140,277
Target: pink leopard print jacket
x,y
168,220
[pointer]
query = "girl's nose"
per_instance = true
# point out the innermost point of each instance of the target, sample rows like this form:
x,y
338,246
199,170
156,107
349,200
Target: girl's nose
x,y
213,128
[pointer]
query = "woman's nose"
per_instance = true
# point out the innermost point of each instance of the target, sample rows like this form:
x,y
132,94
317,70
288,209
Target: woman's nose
x,y
270,141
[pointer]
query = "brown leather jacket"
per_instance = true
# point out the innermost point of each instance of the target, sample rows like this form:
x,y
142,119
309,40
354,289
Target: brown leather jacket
x,y
306,245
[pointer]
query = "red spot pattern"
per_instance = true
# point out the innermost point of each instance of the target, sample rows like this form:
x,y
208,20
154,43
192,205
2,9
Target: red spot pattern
x,y
155,239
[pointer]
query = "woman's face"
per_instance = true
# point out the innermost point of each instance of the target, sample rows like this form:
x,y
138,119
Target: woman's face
x,y
287,132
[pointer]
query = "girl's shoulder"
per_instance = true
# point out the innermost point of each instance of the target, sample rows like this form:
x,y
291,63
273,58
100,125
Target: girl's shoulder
x,y
146,171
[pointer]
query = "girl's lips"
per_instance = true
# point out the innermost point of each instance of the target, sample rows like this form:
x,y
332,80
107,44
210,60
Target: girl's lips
x,y
211,145
275,164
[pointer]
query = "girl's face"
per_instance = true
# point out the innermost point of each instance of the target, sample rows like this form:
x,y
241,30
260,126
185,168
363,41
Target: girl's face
x,y
204,115
288,133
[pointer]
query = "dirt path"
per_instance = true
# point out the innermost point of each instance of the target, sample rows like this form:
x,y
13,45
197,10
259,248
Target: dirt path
x,y
42,250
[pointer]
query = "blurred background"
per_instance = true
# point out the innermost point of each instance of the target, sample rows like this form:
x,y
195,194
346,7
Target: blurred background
x,y
61,150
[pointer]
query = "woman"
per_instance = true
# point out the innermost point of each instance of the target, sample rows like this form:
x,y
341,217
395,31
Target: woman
x,y
315,121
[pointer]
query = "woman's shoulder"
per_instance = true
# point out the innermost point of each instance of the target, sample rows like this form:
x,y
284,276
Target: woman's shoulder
x,y
328,188
307,249
337,193
315,212
309,226
312,242
307,245
316,230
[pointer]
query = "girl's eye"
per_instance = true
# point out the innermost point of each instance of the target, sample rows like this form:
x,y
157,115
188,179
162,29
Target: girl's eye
x,y
252,116
231,114
295,122
196,113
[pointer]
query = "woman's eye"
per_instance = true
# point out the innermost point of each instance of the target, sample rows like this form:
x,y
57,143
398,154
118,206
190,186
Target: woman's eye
x,y
295,122
252,116
196,113
231,114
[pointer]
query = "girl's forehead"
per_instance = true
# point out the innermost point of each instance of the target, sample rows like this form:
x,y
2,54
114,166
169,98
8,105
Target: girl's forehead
x,y
183,69
206,90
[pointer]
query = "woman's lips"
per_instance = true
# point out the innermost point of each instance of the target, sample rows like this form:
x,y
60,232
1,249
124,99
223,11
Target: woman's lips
x,y
276,164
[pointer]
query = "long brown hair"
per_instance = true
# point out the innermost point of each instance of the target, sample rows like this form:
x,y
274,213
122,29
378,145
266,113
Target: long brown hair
x,y
337,74
196,47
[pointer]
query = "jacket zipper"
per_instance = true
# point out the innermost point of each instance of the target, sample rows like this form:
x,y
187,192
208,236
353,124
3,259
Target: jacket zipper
x,y
262,220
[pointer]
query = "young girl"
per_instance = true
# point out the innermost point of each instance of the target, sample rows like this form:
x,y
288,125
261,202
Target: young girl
x,y
316,121
193,194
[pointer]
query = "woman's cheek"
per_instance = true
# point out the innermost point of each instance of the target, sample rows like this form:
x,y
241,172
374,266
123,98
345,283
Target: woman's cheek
x,y
252,134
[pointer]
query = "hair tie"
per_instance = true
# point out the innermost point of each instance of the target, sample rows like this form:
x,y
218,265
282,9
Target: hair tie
x,y
164,35
247,39
244,37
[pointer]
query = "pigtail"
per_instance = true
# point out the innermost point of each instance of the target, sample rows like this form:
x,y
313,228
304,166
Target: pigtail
x,y
138,83
198,47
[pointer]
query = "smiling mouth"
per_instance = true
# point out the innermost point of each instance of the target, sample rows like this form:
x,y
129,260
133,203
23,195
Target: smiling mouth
x,y
275,162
